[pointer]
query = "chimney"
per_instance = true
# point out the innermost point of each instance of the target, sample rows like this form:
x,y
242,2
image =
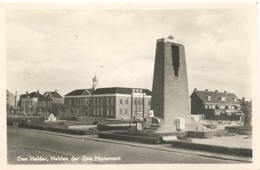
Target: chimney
x,y
206,89
195,89
37,91
243,100
55,91
27,92
225,92
216,91
15,100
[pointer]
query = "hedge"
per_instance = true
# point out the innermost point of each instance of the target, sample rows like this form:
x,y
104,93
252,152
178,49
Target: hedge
x,y
111,135
22,120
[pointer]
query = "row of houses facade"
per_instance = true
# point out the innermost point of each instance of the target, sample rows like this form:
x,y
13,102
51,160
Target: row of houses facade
x,y
127,103
215,105
111,102
35,103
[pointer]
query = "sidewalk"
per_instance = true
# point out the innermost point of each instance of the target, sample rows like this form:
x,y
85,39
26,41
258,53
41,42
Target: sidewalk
x,y
241,141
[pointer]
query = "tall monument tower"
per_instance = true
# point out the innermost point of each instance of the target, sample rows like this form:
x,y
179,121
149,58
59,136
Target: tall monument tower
x,y
170,95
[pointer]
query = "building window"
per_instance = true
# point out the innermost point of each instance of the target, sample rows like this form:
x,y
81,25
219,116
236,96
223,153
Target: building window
x,y
86,101
107,111
120,112
112,111
107,101
94,111
206,106
223,98
139,101
94,101
149,102
97,101
101,101
101,111
126,101
121,101
217,112
212,106
126,111
112,101
222,107
97,111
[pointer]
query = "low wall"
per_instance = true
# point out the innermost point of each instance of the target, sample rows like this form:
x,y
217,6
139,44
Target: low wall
x,y
106,127
213,148
82,126
60,130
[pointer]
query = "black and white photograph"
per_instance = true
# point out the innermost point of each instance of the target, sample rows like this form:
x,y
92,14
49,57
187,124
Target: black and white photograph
x,y
130,84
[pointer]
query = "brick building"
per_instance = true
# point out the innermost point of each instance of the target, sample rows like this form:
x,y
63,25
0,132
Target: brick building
x,y
47,101
216,105
11,101
29,102
36,103
121,103
77,102
111,102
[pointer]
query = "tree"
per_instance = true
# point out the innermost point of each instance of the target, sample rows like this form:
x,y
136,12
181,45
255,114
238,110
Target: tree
x,y
246,107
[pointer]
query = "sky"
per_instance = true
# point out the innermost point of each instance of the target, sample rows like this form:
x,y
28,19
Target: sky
x,y
63,50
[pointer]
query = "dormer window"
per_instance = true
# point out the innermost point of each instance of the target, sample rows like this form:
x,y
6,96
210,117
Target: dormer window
x,y
209,98
235,99
223,98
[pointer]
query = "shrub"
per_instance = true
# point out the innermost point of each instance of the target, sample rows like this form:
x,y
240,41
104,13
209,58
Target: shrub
x,y
23,120
111,135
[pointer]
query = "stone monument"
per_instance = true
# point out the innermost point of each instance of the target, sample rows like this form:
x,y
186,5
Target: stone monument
x,y
170,96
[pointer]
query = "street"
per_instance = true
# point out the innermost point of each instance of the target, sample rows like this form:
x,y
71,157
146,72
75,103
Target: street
x,y
26,146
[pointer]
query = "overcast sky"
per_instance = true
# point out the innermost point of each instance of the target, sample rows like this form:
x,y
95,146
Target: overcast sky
x,y
65,49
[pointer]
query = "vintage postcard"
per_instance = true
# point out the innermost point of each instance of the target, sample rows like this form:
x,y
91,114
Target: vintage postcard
x,y
129,85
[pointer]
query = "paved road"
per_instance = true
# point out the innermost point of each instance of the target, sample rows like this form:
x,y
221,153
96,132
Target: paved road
x,y
66,147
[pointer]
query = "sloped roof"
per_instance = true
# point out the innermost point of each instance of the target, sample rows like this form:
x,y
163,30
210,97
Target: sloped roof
x,y
79,92
53,94
32,94
216,97
8,92
119,90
